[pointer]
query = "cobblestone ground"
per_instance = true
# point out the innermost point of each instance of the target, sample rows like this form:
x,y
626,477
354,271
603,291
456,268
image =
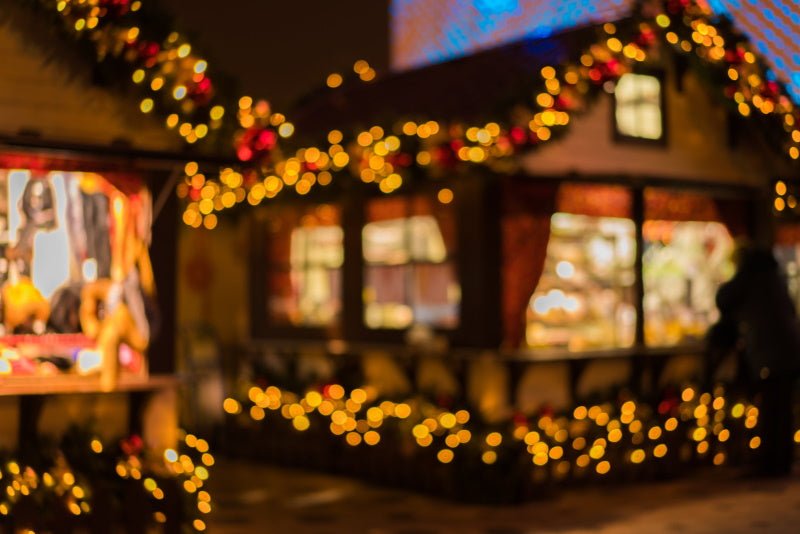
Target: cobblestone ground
x,y
265,499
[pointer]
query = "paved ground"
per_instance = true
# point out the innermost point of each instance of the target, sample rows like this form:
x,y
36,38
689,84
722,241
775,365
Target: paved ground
x,y
263,499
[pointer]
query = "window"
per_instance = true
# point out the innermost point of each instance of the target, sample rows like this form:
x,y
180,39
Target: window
x,y
585,297
305,256
409,273
687,255
638,110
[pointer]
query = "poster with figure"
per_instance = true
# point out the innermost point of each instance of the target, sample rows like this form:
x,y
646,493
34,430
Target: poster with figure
x,y
76,286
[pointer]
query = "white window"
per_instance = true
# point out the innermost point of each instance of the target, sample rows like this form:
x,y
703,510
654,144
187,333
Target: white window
x,y
585,297
305,256
409,269
638,107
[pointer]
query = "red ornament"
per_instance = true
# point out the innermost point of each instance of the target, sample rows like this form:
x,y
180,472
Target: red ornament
x,y
132,446
445,156
646,38
518,135
201,91
770,90
256,144
519,419
114,8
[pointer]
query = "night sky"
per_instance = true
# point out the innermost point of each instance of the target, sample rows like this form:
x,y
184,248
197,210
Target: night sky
x,y
281,49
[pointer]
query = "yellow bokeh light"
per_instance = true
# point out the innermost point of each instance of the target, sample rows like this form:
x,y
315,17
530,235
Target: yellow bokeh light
x,y
301,423
494,439
445,195
334,80
216,113
359,395
371,437
231,406
335,137
445,456
603,467
614,44
360,66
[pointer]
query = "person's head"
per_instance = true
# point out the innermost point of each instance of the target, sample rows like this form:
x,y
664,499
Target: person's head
x,y
37,203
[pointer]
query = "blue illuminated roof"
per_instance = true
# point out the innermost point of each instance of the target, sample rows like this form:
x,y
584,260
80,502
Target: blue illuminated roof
x,y
426,31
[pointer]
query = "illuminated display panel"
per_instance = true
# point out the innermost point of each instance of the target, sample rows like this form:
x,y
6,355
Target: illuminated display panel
x,y
425,32
76,284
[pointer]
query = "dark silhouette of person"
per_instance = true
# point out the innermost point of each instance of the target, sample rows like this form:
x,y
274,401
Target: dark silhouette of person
x,y
757,300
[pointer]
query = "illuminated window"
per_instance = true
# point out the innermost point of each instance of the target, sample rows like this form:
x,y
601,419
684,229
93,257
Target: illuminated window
x,y
787,252
585,297
305,256
409,273
684,264
638,107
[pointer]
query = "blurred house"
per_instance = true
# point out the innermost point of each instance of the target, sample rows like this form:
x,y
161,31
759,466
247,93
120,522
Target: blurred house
x,y
79,168
579,266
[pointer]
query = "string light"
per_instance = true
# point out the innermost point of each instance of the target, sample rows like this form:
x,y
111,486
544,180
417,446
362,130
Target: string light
x,y
23,485
608,437
688,28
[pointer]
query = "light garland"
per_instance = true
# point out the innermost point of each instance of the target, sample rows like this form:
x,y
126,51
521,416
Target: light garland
x,y
381,155
170,78
693,427
173,80
62,485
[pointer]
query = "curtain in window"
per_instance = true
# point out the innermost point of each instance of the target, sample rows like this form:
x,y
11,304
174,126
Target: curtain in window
x,y
595,200
787,234
525,229
670,205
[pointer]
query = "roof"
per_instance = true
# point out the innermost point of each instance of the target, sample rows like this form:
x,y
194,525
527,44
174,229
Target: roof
x,y
425,32
483,85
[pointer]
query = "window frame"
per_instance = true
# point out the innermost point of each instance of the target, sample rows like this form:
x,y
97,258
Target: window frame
x,y
749,195
384,333
622,138
262,326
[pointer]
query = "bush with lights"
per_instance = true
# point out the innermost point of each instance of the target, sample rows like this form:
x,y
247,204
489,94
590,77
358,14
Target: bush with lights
x,y
82,483
442,446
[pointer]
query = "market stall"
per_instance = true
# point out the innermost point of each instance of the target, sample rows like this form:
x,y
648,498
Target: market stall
x,y
78,288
